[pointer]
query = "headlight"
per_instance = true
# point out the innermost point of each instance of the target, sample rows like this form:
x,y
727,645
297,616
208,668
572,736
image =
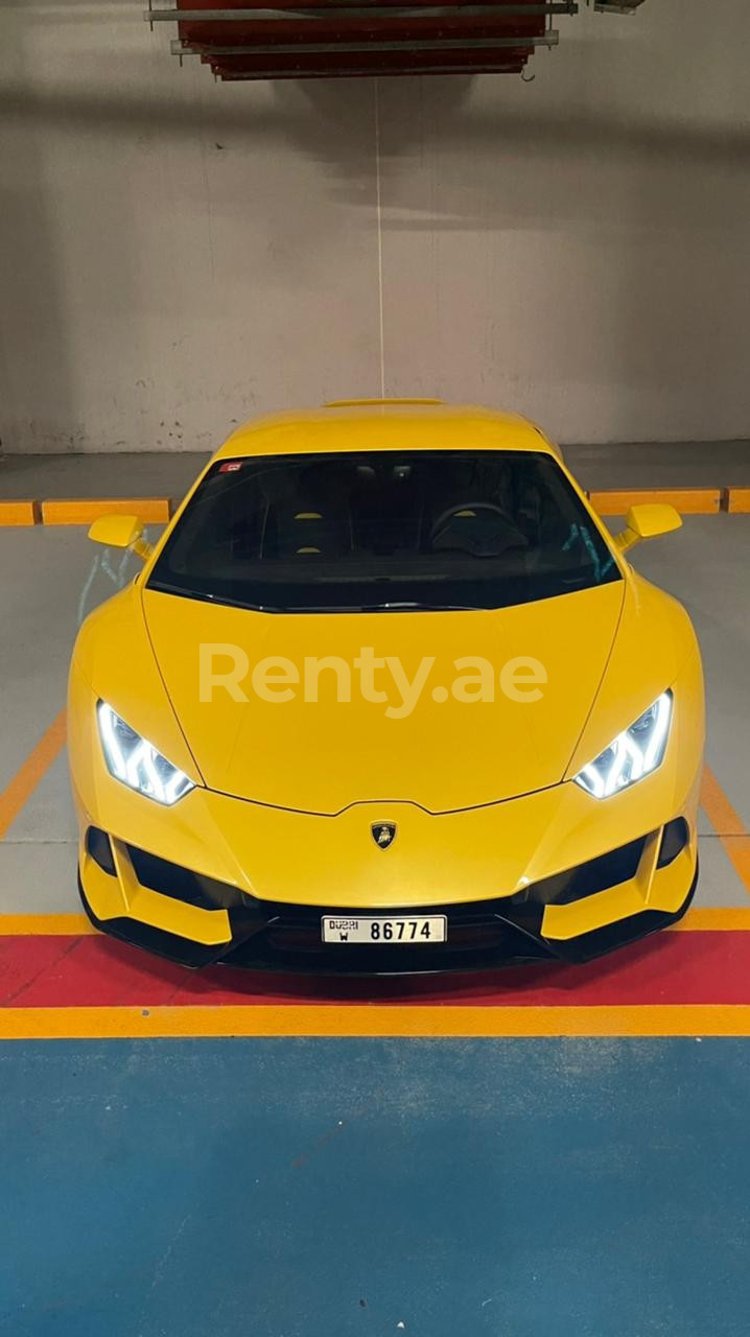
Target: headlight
x,y
634,753
136,762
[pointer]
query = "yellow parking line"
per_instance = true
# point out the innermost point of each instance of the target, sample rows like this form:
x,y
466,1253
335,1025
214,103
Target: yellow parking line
x,y
688,500
19,513
49,1023
724,818
83,511
710,918
738,500
608,501
22,926
727,824
25,781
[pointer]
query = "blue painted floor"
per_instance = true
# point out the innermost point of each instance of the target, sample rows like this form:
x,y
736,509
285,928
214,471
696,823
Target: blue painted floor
x,y
328,1188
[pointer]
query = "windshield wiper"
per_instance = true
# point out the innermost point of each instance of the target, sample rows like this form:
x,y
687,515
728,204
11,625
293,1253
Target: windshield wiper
x,y
391,606
162,587
416,605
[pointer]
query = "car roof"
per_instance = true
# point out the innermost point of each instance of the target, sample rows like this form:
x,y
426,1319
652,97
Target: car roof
x,y
385,424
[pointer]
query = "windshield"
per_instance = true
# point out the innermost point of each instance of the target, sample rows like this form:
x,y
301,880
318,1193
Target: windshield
x,y
384,530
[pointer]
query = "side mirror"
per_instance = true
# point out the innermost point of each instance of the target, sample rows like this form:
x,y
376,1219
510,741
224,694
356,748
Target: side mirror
x,y
647,521
121,531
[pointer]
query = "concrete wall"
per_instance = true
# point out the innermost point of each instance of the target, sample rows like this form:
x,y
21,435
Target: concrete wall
x,y
175,254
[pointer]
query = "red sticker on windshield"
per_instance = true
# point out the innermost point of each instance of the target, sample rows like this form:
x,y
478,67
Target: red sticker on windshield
x,y
230,467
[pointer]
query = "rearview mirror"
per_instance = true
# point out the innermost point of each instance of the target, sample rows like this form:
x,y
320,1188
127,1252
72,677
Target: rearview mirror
x,y
647,521
121,531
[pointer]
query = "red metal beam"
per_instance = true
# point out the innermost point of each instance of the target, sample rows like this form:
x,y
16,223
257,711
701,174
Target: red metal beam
x,y
255,39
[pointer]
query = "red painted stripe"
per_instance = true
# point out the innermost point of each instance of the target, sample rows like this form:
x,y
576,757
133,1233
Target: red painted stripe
x,y
672,968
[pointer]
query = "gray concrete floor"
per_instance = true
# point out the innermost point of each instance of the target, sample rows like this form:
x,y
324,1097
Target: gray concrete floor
x,y
52,577
169,474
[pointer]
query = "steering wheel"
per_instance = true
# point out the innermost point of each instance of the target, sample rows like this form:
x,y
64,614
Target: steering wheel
x,y
485,506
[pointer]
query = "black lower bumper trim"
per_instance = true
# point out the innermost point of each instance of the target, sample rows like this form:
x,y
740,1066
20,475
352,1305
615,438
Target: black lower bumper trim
x,y
601,941
482,936
171,946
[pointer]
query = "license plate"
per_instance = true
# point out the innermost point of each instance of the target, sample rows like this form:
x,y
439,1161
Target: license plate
x,y
400,931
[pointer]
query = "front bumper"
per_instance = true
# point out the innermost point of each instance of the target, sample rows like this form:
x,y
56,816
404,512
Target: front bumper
x,y
612,900
266,875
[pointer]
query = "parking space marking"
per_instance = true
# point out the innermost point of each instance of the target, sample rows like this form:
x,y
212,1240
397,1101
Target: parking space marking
x,y
59,925
36,1023
712,919
727,824
607,501
738,500
15,513
77,984
684,969
21,787
84,511
687,500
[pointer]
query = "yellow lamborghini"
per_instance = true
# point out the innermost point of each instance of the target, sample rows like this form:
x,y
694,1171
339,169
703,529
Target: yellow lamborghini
x,y
386,696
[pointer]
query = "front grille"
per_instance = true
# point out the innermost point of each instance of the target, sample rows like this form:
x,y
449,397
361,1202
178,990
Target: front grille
x,y
470,928
479,935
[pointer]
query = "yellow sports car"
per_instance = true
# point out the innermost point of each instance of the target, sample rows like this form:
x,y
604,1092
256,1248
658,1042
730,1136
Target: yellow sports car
x,y
386,696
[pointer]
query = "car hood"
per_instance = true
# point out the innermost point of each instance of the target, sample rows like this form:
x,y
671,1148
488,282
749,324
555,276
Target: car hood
x,y
322,754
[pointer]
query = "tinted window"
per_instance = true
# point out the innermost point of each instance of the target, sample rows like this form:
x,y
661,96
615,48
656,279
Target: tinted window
x,y
387,529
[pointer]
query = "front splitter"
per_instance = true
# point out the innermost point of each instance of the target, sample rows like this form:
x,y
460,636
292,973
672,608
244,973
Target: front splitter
x,y
257,943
